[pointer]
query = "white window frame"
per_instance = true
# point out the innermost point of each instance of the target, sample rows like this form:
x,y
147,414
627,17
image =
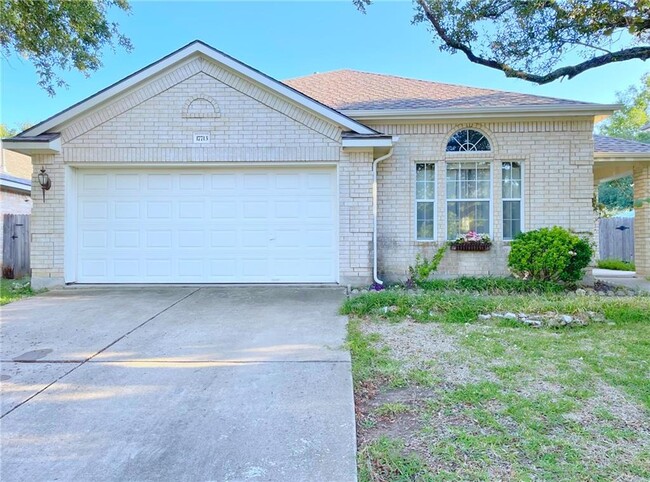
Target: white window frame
x,y
489,199
434,201
520,198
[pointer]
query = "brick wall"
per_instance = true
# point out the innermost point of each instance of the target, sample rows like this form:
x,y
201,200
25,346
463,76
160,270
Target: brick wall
x,y
153,125
558,186
642,219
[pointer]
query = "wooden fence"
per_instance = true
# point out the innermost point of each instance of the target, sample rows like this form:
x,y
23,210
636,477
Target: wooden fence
x,y
616,238
15,245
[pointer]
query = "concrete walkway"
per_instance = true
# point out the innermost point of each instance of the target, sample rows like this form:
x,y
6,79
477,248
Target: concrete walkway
x,y
177,384
628,279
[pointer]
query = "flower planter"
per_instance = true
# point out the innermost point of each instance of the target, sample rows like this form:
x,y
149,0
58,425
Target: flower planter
x,y
470,246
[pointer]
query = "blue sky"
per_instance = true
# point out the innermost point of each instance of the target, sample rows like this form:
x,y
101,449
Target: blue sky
x,y
289,39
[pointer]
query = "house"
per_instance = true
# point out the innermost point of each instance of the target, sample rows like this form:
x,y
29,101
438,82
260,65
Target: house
x,y
201,169
15,187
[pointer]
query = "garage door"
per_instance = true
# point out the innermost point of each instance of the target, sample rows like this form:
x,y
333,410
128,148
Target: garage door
x,y
244,225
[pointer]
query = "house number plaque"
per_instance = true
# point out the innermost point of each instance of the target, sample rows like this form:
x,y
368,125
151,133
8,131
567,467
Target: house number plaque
x,y
201,137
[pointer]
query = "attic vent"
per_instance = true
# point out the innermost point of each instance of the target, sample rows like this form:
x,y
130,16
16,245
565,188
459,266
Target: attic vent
x,y
201,107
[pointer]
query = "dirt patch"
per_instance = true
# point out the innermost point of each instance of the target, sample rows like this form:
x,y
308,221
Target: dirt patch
x,y
607,427
427,346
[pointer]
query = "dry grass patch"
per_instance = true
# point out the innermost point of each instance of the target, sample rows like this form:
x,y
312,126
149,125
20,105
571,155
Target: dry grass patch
x,y
482,400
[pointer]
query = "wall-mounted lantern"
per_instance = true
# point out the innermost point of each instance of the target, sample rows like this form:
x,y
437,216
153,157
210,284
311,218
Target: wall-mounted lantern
x,y
45,181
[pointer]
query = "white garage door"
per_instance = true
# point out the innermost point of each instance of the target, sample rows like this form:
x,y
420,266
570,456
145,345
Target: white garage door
x,y
220,225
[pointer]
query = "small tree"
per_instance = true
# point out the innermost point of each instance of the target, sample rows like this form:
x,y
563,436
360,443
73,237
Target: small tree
x,y
628,122
59,35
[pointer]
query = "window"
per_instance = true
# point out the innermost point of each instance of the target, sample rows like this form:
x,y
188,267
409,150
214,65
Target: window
x,y
469,193
425,201
468,140
511,180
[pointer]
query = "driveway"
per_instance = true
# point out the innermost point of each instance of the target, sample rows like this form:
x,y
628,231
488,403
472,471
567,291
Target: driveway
x,y
177,383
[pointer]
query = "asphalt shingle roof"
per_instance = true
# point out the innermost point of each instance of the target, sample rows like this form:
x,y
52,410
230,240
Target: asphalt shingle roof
x,y
354,90
614,144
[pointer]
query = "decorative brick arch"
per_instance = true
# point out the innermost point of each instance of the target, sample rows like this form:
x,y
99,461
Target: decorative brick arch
x,y
201,107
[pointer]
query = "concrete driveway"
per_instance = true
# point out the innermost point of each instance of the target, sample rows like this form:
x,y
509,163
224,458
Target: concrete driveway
x,y
176,383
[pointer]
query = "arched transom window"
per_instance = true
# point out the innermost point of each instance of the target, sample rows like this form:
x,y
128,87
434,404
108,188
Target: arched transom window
x,y
468,140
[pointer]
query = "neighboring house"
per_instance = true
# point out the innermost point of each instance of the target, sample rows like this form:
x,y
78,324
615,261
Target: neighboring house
x,y
199,168
15,187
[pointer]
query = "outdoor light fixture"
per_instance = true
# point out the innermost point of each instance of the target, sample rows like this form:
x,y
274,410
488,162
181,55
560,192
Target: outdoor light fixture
x,y
45,181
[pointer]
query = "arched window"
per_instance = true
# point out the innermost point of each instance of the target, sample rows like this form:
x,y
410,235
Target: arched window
x,y
468,140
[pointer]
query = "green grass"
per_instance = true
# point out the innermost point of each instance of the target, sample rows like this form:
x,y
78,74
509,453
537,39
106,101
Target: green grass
x,y
520,419
12,290
384,460
616,264
493,285
449,307
391,409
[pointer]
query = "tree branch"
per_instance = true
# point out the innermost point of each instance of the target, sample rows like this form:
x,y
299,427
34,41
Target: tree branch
x,y
569,72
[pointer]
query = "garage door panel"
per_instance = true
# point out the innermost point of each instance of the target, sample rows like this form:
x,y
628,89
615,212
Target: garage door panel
x,y
219,225
126,239
126,268
159,182
126,183
191,210
191,239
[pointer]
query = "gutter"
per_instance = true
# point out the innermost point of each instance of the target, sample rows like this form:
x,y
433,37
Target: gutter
x,y
602,156
483,112
32,145
23,186
375,163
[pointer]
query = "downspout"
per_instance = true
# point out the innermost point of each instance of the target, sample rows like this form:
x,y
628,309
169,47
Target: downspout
x,y
375,163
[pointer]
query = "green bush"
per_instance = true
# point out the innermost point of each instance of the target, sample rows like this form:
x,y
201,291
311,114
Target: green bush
x,y
616,264
550,254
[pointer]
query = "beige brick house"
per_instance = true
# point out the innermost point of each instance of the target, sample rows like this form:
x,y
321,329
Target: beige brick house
x,y
201,169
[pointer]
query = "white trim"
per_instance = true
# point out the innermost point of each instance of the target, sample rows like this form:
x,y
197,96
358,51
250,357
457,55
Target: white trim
x,y
338,220
33,147
621,156
189,165
71,200
70,226
366,143
521,198
434,201
215,55
484,112
17,186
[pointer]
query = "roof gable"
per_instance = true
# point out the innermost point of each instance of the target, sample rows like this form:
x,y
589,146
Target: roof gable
x,y
179,56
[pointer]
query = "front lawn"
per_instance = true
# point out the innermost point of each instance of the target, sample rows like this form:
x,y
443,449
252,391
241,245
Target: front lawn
x,y
616,264
442,394
12,290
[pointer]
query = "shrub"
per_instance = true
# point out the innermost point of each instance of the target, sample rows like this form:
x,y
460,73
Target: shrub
x,y
551,254
616,264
